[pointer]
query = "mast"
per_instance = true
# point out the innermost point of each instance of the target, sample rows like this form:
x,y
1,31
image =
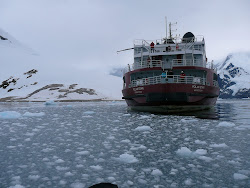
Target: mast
x,y
170,32
166,27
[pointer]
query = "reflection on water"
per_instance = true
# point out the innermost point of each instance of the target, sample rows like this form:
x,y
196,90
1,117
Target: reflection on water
x,y
228,110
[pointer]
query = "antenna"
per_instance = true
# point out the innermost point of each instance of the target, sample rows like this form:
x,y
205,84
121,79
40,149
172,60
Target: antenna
x,y
170,30
166,27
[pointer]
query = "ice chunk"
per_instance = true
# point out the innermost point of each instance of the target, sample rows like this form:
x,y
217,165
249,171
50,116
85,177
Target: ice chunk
x,y
67,174
97,167
143,128
226,124
127,158
89,112
29,114
17,186
188,181
61,168
59,161
204,158
10,115
144,117
77,185
125,141
184,152
130,183
200,142
34,177
200,152
51,102
83,153
238,176
218,145
156,172
112,179
188,120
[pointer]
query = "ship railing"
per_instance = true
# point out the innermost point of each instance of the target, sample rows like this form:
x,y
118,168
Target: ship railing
x,y
147,64
176,40
169,79
168,49
187,62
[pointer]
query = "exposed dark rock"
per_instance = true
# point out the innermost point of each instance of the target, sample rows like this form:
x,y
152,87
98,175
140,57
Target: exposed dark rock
x,y
84,90
10,90
45,87
63,90
34,83
72,86
4,84
3,38
33,71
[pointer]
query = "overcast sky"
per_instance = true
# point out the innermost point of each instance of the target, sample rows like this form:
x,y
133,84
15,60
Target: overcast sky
x,y
86,34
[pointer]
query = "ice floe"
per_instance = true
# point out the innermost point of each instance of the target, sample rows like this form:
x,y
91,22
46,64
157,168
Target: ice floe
x,y
186,152
127,158
143,128
29,114
223,145
238,176
226,124
156,172
9,115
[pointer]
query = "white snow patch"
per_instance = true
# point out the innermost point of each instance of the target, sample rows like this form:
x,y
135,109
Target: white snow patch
x,y
127,158
9,115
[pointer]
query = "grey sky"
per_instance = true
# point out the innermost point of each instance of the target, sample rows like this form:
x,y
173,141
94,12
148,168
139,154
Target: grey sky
x,y
86,34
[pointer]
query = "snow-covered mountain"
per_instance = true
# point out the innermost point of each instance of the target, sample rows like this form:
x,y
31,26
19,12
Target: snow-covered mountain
x,y
234,75
25,77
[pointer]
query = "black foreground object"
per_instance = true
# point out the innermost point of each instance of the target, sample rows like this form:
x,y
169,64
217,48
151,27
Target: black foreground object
x,y
104,185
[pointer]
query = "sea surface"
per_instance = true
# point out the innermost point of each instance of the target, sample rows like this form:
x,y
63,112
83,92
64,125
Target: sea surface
x,y
80,144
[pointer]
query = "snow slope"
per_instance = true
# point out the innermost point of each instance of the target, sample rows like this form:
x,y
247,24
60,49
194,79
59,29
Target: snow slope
x,y
16,60
234,75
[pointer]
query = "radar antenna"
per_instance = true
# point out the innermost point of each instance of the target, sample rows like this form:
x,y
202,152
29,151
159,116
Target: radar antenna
x,y
170,29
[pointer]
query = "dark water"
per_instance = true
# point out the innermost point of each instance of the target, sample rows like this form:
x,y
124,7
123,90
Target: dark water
x,y
80,144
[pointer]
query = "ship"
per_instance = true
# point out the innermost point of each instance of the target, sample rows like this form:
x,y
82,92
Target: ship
x,y
170,75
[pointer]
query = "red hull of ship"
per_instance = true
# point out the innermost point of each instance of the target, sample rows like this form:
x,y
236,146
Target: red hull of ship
x,y
169,95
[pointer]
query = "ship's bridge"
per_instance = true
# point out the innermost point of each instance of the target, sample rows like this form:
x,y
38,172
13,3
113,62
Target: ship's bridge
x,y
195,45
169,53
